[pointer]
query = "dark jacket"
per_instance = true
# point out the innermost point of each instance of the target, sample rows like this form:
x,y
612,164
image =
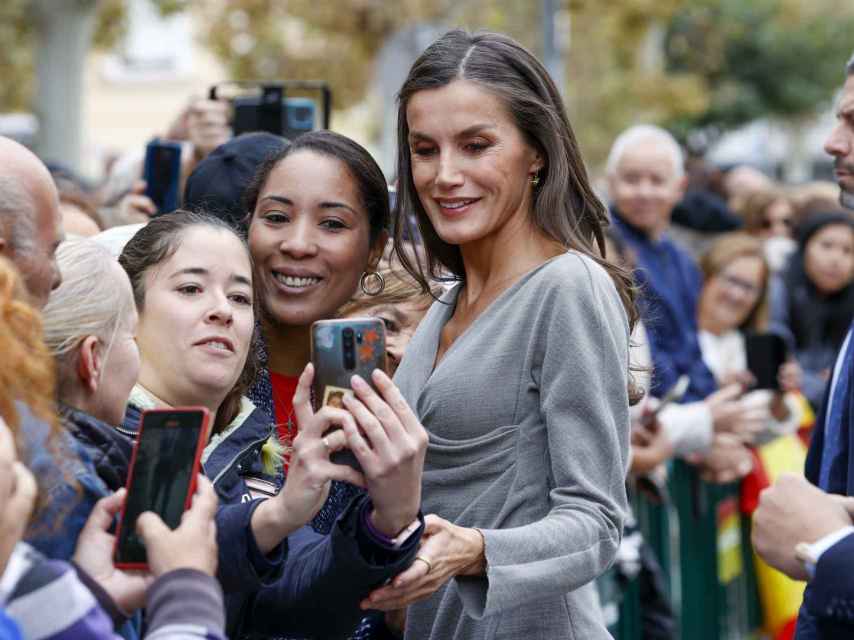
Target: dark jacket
x,y
817,323
341,494
705,211
670,285
828,608
312,584
69,469
109,451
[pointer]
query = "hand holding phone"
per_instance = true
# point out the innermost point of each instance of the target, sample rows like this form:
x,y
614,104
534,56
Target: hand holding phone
x,y
341,349
162,478
390,443
310,471
94,554
766,354
192,545
674,394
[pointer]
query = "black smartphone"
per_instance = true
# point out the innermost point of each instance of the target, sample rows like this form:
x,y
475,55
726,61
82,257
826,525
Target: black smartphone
x,y
766,353
162,476
162,174
341,349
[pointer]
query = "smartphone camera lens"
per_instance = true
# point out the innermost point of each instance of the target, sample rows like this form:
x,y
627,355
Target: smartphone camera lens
x,y
349,349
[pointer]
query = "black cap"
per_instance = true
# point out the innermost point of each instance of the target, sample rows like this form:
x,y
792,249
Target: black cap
x,y
217,184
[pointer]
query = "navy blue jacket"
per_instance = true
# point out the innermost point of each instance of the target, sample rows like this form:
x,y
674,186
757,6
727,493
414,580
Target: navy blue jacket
x,y
828,608
311,585
83,464
341,494
670,285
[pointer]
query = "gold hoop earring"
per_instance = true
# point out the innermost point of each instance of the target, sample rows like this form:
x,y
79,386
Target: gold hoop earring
x,y
379,282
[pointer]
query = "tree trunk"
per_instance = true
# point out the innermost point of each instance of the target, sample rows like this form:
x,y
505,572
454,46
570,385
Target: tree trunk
x,y
63,36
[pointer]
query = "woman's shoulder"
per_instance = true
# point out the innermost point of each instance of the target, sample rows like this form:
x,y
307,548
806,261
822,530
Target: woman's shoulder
x,y
574,270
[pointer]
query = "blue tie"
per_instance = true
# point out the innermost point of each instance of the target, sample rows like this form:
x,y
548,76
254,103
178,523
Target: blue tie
x,y
834,454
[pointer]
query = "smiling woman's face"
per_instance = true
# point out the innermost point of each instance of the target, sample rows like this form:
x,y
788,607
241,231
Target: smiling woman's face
x,y
196,324
309,237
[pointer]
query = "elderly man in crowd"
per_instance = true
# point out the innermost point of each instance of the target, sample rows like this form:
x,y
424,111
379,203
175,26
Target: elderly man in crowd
x,y
646,180
802,529
30,222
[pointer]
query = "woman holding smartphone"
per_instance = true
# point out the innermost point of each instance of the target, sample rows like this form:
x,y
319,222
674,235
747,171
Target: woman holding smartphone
x,y
733,302
520,374
193,285
317,228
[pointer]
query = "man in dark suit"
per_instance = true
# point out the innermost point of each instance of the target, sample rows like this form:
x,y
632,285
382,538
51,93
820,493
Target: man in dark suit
x,y
804,527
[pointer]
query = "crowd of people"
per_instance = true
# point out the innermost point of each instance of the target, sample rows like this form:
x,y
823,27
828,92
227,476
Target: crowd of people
x,y
548,357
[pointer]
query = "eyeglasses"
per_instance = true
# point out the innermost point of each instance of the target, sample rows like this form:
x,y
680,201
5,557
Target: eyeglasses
x,y
748,288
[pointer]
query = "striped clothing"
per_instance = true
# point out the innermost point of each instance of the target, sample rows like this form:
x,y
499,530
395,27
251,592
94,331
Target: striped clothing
x,y
49,600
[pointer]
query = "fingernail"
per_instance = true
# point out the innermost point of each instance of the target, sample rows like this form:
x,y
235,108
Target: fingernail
x,y
357,381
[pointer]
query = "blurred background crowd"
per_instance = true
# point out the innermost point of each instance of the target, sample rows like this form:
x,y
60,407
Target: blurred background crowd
x,y
724,204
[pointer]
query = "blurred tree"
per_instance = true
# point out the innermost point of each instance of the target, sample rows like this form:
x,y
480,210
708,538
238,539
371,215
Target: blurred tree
x,y
693,65
615,71
18,48
43,47
302,39
765,58
307,39
16,55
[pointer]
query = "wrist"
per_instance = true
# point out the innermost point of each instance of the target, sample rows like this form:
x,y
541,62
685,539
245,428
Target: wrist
x,y
389,525
476,554
271,524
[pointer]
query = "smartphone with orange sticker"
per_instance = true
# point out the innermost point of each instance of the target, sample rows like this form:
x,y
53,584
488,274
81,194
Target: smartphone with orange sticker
x,y
341,349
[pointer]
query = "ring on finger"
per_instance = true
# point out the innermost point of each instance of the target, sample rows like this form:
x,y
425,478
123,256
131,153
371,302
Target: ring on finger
x,y
425,561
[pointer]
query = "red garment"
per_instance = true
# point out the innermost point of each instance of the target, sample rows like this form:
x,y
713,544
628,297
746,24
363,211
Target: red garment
x,y
753,484
284,388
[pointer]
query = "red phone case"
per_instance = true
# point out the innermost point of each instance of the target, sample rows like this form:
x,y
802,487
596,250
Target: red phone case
x,y
200,446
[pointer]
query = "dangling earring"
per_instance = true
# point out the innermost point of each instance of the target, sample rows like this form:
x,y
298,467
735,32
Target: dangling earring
x,y
379,282
535,180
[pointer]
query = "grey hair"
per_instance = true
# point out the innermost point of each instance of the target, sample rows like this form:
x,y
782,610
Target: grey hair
x,y
849,68
17,218
94,299
643,132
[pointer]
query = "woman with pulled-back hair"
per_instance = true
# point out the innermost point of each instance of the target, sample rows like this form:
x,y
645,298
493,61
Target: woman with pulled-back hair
x,y
520,373
194,289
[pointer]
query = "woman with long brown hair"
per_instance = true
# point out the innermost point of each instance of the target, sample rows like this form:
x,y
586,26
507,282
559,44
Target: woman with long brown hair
x,y
520,373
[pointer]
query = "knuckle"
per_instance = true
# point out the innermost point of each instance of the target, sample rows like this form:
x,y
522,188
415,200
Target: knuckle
x,y
423,438
408,452
384,413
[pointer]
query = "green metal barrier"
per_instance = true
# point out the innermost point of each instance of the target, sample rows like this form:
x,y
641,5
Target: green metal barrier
x,y
620,605
719,600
